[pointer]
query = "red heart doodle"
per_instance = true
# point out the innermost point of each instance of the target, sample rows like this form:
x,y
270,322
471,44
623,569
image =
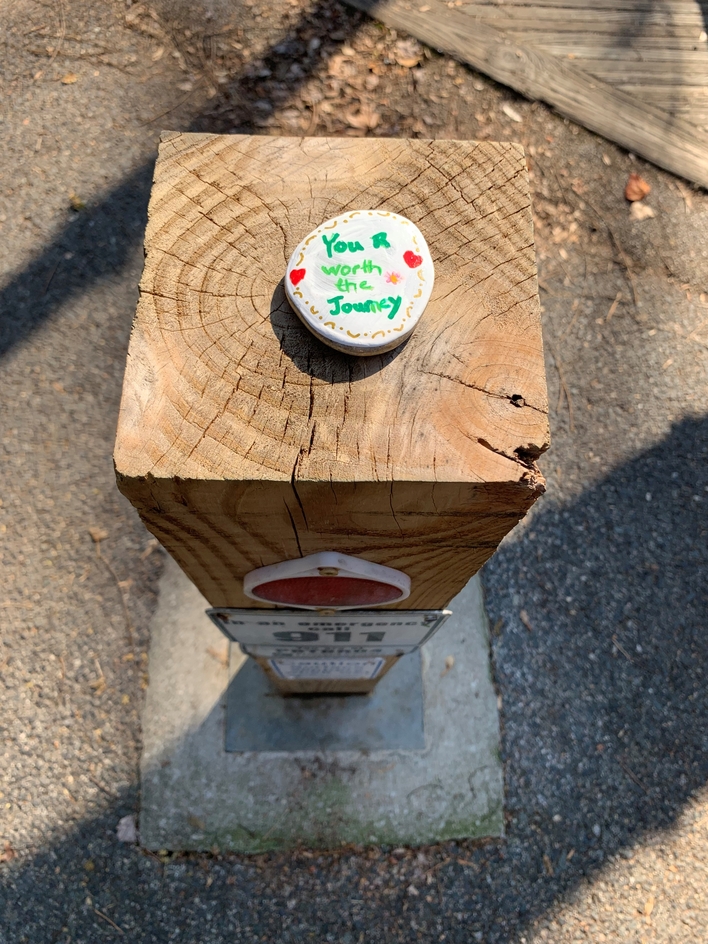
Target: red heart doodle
x,y
297,275
412,260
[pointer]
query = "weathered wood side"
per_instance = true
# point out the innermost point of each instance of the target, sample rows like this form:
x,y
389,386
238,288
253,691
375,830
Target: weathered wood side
x,y
601,87
242,440
217,553
440,534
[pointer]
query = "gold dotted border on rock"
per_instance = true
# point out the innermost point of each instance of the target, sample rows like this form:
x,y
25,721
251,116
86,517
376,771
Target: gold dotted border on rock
x,y
335,223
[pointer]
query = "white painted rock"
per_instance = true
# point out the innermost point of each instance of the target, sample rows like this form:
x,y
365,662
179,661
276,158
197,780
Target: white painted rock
x,y
361,281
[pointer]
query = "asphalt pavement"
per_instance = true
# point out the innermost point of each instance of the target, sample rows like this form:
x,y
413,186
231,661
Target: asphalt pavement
x,y
597,601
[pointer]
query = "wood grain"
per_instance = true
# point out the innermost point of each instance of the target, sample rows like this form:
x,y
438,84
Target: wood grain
x,y
581,56
243,441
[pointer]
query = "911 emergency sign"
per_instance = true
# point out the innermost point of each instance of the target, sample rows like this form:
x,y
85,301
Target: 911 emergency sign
x,y
394,632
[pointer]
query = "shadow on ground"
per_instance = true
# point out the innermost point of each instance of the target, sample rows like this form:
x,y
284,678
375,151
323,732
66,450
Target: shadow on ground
x,y
607,687
97,242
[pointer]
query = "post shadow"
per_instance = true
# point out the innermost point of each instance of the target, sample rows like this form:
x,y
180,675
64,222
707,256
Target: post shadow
x,y
614,587
97,242
312,356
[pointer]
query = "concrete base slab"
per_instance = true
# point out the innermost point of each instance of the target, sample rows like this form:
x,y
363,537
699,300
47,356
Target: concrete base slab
x,y
259,719
196,794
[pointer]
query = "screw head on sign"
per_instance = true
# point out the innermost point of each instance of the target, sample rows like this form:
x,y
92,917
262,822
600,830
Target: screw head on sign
x,y
327,581
361,281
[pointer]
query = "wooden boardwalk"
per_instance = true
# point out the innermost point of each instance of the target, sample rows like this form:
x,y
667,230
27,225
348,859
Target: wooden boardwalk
x,y
635,71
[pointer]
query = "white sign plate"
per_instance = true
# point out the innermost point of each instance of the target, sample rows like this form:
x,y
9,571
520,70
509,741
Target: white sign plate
x,y
325,652
327,668
370,632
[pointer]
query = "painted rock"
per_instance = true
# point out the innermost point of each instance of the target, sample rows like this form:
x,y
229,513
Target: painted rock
x,y
361,281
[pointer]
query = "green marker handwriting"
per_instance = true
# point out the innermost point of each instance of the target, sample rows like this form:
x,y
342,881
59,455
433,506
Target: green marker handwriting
x,y
394,303
367,267
334,243
344,285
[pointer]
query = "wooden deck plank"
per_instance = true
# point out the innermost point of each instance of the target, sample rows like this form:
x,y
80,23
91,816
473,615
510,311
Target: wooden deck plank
x,y
636,20
570,19
678,102
598,45
669,140
616,72
619,33
683,8
664,95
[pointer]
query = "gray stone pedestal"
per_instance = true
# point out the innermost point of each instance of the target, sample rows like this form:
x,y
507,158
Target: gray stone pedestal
x,y
414,763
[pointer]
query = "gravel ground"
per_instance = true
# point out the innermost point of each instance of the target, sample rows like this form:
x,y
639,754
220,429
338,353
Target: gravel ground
x,y
598,601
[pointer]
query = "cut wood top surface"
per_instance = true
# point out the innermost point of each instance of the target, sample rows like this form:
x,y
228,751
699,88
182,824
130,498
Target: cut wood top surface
x,y
632,70
223,382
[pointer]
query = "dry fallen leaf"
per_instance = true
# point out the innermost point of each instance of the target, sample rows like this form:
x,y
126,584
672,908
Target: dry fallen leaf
x,y
649,906
98,534
152,545
69,78
221,657
341,67
408,53
8,853
366,119
134,13
511,112
640,211
524,617
637,188
449,662
158,54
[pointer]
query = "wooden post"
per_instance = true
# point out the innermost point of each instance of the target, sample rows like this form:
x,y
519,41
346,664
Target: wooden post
x,y
243,441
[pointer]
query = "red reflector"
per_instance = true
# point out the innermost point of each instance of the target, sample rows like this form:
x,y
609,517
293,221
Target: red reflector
x,y
327,591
